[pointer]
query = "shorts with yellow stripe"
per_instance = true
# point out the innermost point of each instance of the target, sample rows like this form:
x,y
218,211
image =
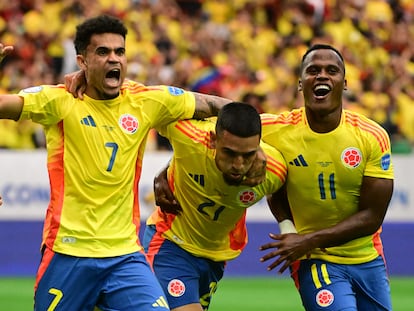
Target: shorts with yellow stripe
x,y
332,287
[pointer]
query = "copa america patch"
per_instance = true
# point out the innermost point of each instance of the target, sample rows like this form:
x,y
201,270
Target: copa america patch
x,y
386,161
247,196
175,91
324,298
128,123
176,288
351,157
33,89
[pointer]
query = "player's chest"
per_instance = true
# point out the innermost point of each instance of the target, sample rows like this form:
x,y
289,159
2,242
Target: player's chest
x,y
94,124
325,159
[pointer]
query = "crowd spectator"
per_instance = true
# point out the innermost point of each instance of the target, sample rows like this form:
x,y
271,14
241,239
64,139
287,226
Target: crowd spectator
x,y
240,49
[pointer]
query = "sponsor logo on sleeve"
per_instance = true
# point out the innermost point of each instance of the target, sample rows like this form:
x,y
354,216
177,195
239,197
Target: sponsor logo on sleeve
x,y
386,161
33,89
175,90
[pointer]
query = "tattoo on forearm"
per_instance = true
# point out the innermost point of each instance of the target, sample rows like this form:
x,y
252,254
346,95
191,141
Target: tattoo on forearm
x,y
214,103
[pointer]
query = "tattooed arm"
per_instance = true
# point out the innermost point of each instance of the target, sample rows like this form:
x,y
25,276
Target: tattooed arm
x,y
208,105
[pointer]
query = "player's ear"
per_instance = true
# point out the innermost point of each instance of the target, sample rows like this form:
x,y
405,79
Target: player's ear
x,y
213,139
345,85
80,59
300,86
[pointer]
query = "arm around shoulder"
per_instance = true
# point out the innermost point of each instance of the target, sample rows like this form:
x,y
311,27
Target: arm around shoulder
x,y
208,105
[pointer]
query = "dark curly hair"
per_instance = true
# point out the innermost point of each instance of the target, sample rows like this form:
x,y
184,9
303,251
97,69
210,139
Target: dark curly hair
x,y
97,25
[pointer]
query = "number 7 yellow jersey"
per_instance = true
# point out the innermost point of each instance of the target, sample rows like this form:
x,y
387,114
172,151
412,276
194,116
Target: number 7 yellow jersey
x,y
95,151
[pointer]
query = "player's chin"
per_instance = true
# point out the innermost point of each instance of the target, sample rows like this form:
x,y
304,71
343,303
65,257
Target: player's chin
x,y
111,93
233,180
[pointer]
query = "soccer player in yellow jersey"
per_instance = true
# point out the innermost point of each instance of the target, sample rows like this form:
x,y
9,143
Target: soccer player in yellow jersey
x,y
210,159
339,186
91,254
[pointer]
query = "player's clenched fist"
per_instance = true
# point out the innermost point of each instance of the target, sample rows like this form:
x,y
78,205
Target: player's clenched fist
x,y
5,50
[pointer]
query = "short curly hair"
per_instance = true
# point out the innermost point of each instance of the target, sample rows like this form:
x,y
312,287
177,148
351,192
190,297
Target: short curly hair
x,y
97,25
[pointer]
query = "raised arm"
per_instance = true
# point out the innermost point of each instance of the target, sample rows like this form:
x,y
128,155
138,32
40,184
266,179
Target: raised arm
x,y
5,50
10,105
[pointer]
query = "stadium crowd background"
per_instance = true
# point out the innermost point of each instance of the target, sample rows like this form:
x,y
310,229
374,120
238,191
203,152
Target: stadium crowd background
x,y
246,50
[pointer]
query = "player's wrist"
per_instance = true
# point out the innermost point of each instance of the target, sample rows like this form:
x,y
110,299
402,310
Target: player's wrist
x,y
287,226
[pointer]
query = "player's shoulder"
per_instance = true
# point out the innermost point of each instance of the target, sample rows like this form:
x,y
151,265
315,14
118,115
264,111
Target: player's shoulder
x,y
286,118
57,89
362,123
136,88
276,163
370,131
133,88
47,93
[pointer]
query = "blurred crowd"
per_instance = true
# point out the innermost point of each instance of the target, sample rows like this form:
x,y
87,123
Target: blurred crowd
x,y
246,50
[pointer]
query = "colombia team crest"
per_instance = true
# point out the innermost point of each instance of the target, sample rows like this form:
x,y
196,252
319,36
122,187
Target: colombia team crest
x,y
247,196
128,123
351,157
324,298
176,288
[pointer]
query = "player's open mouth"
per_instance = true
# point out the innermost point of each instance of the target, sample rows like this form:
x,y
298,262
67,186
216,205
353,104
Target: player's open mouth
x,y
112,77
321,90
236,176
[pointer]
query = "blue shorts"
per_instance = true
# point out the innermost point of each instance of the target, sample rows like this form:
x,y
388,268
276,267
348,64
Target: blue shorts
x,y
116,283
331,287
186,279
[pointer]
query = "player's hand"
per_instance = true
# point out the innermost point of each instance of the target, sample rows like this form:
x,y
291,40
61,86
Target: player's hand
x,y
1,201
257,173
164,197
5,50
75,83
288,248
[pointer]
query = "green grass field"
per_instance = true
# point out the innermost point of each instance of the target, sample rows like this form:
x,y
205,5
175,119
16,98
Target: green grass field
x,y
241,294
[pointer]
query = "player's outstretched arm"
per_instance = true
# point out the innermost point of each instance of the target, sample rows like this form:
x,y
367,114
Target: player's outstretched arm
x,y
1,200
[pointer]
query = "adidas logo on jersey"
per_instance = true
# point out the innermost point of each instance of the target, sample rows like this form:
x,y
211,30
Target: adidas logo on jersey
x,y
198,178
299,161
161,302
89,121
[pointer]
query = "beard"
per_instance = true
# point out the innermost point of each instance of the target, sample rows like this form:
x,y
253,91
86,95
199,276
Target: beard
x,y
231,181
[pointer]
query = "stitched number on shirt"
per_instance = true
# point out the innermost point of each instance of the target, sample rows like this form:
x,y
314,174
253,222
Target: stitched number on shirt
x,y
114,147
217,210
322,189
58,296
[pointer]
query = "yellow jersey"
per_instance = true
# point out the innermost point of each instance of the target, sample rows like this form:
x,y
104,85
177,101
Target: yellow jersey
x,y
325,172
213,222
95,152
